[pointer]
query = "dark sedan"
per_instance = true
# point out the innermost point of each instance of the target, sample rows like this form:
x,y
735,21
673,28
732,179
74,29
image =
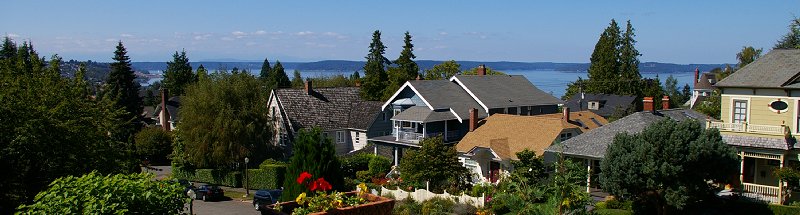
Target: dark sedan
x,y
209,192
265,197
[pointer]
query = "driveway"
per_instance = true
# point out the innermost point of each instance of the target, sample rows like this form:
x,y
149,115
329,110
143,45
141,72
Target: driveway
x,y
224,207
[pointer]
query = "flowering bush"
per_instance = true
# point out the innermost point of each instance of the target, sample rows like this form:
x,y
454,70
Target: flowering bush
x,y
319,200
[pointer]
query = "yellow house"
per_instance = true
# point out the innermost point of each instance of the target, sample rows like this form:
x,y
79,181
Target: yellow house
x,y
759,116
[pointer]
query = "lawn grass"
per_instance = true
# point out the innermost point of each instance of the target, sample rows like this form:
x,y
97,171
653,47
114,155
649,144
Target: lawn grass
x,y
234,195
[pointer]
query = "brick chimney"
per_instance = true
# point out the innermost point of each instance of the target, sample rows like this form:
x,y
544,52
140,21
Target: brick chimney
x,y
481,70
696,75
309,87
418,78
647,104
164,112
665,103
473,119
566,114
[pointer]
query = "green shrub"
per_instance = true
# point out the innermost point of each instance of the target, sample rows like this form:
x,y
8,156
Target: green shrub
x,y
270,162
210,176
407,206
154,144
94,193
612,212
379,166
352,164
464,209
268,177
364,175
784,210
437,205
615,204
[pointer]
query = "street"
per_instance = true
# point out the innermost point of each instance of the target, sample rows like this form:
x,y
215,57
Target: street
x,y
223,207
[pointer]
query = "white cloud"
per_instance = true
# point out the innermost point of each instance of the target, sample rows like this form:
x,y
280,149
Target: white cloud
x,y
238,33
12,35
227,38
260,32
335,35
304,33
442,33
111,40
126,35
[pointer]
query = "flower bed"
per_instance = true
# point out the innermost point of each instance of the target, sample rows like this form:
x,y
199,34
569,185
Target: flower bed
x,y
319,201
375,205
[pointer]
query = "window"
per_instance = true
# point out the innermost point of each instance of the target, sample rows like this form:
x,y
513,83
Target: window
x,y
357,138
565,136
512,110
383,116
340,137
778,106
739,111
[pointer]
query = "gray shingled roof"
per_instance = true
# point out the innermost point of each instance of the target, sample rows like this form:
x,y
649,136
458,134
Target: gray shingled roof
x,y
506,90
173,104
328,108
777,69
595,142
611,102
706,81
758,142
424,114
444,94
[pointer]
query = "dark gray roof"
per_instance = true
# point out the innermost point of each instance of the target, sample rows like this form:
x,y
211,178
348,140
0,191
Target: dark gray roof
x,y
505,90
595,142
444,94
706,81
777,69
609,102
328,108
173,104
424,114
757,142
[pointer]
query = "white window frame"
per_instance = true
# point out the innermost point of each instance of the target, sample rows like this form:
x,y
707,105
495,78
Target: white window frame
x,y
746,109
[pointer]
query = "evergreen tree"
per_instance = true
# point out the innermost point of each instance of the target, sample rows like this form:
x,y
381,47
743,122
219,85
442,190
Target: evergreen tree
x,y
265,70
375,77
315,154
122,89
406,68
281,80
297,80
355,77
202,72
178,74
671,90
792,38
628,64
604,62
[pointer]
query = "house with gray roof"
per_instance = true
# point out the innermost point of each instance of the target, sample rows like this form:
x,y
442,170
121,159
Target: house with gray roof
x,y
759,117
451,108
703,87
339,112
591,146
167,118
604,105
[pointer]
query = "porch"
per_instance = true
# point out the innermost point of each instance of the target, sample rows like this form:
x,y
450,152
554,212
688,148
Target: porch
x,y
758,182
746,127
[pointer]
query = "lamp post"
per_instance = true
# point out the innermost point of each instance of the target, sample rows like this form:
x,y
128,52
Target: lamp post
x,y
246,190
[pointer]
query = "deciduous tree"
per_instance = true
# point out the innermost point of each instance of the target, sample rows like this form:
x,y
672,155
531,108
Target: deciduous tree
x,y
443,70
434,162
747,55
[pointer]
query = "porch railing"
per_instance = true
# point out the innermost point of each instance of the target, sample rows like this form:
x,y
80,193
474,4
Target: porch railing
x,y
761,192
749,128
409,136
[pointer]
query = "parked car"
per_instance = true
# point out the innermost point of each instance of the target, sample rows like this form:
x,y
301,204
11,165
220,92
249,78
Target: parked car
x,y
186,184
266,197
209,192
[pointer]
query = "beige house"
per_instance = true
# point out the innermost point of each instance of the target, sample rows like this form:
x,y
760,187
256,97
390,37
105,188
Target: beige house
x,y
759,113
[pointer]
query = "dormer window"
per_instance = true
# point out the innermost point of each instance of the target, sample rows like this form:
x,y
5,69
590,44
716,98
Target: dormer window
x,y
594,105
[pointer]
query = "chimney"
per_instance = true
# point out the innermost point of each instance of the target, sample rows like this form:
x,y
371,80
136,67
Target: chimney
x,y
481,70
309,88
164,113
665,103
358,83
473,119
566,114
696,75
418,78
648,104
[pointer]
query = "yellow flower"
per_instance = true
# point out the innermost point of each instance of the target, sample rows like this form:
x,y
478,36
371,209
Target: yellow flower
x,y
362,189
300,198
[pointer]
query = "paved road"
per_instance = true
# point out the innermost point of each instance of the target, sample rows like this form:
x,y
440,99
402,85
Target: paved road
x,y
224,207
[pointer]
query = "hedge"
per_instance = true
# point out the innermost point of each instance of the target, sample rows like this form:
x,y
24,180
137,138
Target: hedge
x,y
268,177
210,176
612,212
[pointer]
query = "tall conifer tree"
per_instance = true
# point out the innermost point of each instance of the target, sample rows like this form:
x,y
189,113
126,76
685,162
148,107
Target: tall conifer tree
x,y
121,88
179,74
406,68
628,64
279,77
265,70
375,77
604,61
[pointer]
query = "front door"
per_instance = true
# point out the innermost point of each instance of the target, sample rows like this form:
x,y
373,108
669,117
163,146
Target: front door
x,y
494,171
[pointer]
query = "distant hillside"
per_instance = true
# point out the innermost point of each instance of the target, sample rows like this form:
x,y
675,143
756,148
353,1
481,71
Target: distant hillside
x,y
344,65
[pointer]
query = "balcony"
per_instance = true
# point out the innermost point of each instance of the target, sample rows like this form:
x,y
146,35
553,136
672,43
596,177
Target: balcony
x,y
748,128
414,137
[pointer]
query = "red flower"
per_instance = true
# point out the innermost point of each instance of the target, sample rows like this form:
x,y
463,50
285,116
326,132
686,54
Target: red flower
x,y
320,184
303,177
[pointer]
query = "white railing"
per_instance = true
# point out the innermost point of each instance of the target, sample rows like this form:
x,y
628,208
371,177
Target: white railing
x,y
761,192
421,195
409,136
749,128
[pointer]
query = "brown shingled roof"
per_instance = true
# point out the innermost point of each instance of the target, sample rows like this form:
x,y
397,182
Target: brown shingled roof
x,y
704,83
508,134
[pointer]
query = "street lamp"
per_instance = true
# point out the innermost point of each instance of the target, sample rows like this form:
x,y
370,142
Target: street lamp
x,y
246,190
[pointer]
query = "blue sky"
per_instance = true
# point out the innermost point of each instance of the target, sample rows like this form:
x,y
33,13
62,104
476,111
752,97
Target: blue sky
x,y
527,31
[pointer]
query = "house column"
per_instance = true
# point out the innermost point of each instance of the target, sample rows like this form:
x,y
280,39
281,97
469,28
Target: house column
x,y
588,175
741,168
424,134
395,156
445,131
396,131
780,182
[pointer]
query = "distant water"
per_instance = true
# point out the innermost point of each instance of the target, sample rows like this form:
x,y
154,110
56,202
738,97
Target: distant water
x,y
549,81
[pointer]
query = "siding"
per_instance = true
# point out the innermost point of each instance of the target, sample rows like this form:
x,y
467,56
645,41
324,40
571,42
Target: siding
x,y
759,111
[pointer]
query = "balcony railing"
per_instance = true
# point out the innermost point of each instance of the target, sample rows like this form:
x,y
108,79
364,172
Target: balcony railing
x,y
748,128
409,136
761,192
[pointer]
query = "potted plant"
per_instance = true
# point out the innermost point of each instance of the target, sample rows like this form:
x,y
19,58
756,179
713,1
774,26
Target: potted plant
x,y
319,201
